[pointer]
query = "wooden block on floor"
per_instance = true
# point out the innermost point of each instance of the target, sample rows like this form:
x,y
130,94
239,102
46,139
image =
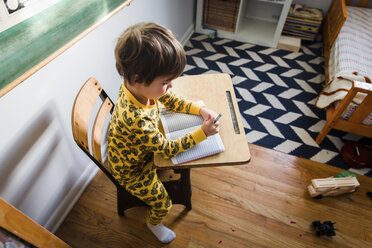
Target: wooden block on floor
x,y
289,43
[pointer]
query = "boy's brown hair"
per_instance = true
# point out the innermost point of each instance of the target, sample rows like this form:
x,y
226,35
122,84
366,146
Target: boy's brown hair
x,y
149,50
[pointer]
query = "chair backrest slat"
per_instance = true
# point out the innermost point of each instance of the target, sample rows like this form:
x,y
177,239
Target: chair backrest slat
x,y
98,126
81,111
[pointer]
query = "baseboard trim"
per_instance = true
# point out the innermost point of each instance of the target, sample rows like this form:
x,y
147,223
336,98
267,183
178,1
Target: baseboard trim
x,y
187,34
71,198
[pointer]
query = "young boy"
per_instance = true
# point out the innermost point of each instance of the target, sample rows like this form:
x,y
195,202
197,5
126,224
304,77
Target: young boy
x,y
149,57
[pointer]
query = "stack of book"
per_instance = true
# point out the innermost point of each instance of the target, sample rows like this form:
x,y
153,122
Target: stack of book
x,y
303,22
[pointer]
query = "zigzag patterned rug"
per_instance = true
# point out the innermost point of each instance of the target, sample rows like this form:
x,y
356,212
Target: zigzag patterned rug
x,y
276,91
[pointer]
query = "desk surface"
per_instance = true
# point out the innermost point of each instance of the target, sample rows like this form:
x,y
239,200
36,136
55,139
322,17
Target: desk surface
x,y
213,90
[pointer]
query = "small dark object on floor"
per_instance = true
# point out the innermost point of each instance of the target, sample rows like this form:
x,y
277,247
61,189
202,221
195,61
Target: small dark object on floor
x,y
369,194
327,228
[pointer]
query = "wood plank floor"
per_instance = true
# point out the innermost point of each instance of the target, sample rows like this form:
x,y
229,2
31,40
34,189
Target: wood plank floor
x,y
264,203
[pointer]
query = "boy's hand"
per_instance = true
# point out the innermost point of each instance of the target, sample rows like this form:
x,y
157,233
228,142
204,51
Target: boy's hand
x,y
209,127
205,112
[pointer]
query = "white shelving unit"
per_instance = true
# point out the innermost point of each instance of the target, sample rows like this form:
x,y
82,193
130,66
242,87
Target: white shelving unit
x,y
259,21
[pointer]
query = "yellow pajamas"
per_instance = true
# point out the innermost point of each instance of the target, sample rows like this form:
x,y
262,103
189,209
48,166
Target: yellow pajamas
x,y
134,137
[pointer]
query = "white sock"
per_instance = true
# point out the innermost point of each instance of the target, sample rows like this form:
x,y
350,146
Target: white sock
x,y
163,233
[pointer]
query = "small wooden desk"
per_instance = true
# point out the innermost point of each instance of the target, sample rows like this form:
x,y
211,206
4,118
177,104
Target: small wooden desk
x,y
217,92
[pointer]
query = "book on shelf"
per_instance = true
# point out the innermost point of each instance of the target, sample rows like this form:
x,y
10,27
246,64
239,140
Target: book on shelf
x,y
309,29
299,34
177,124
303,22
308,13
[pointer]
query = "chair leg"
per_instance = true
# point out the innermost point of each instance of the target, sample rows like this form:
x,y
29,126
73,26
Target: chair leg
x,y
120,203
185,187
125,200
179,191
325,130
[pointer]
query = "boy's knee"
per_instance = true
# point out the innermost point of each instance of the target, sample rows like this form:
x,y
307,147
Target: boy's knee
x,y
163,206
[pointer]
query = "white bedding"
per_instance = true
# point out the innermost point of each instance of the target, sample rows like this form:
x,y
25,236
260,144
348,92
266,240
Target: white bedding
x,y
350,60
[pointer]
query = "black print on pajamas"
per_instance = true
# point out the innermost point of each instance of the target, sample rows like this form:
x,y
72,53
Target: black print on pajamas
x,y
133,138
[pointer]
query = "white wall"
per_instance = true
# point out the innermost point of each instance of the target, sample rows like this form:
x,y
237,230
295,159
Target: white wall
x,y
42,171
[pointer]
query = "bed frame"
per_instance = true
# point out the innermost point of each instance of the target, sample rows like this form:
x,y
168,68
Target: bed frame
x,y
333,23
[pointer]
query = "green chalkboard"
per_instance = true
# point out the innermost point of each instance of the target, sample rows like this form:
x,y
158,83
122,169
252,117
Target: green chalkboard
x,y
26,44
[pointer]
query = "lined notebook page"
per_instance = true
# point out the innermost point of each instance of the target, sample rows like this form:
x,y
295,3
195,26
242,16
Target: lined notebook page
x,y
173,121
212,145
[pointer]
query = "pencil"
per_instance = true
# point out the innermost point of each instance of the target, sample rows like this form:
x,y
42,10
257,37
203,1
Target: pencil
x,y
217,118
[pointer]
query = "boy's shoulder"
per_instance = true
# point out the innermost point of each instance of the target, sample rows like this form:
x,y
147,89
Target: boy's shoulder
x,y
130,113
168,95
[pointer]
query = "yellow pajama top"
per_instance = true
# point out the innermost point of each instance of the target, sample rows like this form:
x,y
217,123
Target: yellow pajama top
x,y
134,136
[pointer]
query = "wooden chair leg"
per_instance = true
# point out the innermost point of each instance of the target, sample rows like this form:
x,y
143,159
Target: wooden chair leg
x,y
120,203
185,187
185,176
325,130
126,200
179,191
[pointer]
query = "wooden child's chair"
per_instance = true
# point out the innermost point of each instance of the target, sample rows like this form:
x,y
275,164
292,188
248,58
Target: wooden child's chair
x,y
176,182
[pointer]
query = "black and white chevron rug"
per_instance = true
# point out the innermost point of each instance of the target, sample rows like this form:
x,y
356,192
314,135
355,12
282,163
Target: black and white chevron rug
x,y
276,91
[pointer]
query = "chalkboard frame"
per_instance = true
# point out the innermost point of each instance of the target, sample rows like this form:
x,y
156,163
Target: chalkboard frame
x,y
25,51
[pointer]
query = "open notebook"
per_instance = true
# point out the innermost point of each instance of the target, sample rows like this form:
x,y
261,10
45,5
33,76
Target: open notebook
x,y
179,124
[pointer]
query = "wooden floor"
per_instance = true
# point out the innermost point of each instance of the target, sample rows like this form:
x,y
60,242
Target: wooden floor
x,y
261,204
